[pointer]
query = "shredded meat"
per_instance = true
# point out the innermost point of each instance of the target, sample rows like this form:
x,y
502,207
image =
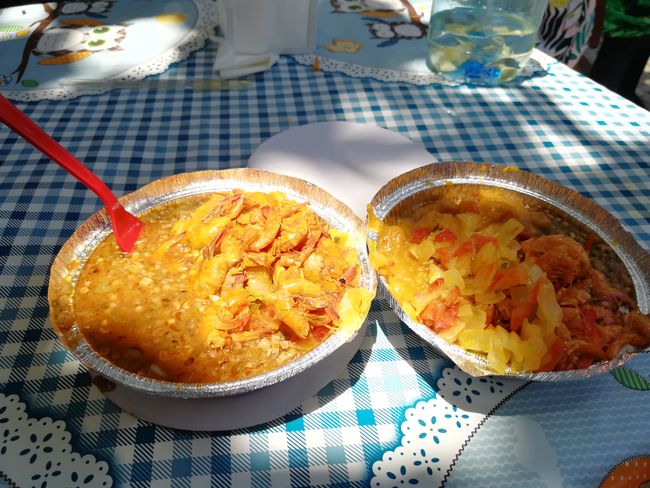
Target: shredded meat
x,y
598,318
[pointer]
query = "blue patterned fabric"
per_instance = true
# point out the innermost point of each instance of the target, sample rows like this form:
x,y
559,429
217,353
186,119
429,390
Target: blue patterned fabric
x,y
46,45
560,419
563,126
387,35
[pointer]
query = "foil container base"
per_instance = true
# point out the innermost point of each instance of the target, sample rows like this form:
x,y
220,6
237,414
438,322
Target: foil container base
x,y
615,252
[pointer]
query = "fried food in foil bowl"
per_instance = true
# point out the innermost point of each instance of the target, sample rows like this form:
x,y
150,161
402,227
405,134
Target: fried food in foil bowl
x,y
508,273
246,293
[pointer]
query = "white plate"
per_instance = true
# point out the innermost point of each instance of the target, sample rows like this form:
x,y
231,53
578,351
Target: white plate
x,y
350,161
238,411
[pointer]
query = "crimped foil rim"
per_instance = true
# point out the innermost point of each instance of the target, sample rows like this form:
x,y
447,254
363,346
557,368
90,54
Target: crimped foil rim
x,y
76,250
577,207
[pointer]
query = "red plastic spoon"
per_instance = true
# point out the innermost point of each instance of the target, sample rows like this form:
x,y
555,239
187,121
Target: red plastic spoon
x,y
126,227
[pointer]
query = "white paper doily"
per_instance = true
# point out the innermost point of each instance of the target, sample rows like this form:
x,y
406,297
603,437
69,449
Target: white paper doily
x,y
37,452
207,21
435,430
537,65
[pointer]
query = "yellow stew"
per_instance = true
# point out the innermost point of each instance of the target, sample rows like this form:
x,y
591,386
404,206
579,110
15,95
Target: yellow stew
x,y
220,287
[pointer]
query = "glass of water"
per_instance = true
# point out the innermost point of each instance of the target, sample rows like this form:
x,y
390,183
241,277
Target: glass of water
x,y
484,42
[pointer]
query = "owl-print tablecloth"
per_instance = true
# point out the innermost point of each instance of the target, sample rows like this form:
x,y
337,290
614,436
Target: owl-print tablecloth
x,y
46,47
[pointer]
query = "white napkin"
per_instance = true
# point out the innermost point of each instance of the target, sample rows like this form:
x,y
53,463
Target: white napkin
x,y
257,31
229,64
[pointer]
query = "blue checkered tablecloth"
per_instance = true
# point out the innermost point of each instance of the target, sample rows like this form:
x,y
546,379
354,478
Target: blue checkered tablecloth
x,y
562,126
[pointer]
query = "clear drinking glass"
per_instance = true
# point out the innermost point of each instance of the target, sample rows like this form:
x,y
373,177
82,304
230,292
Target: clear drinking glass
x,y
482,41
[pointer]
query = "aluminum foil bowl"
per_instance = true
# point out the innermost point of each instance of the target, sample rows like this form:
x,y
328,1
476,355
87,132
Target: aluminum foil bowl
x,y
616,253
214,406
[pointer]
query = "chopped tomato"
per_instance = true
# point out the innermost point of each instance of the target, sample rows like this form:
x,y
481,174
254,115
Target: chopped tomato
x,y
445,235
442,314
419,234
444,255
524,310
438,315
509,277
474,244
464,249
520,313
479,240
